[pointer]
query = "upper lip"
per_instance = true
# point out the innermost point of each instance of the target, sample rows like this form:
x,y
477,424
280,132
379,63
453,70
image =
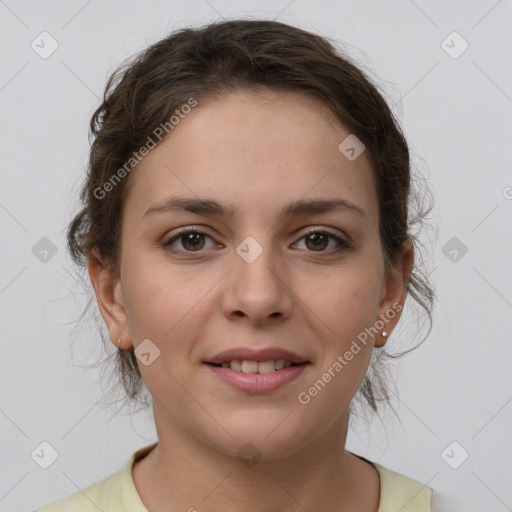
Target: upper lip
x,y
249,354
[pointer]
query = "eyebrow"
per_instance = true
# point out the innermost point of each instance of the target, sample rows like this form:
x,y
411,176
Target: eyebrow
x,y
211,207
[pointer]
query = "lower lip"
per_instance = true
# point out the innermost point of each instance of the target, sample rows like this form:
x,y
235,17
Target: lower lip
x,y
258,382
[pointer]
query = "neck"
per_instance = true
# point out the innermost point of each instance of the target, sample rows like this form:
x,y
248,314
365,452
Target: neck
x,y
183,473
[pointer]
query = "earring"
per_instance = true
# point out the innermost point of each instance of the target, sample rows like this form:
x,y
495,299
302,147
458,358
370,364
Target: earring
x,y
119,343
384,334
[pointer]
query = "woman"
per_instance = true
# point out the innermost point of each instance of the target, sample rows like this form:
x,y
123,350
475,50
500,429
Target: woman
x,y
245,228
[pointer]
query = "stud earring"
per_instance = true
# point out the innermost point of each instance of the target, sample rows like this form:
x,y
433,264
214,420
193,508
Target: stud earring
x,y
384,334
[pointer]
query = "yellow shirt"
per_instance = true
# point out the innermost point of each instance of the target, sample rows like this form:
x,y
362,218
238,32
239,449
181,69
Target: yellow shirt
x,y
117,493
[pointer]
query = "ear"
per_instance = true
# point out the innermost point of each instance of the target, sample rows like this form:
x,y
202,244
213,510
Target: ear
x,y
394,291
109,294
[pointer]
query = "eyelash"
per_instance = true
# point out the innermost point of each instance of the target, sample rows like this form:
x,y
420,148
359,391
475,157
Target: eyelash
x,y
343,245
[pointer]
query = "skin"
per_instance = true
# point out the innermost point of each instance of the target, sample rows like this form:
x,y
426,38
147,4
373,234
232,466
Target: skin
x,y
255,152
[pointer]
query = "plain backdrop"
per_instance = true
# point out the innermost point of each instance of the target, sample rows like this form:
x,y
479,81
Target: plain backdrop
x,y
453,96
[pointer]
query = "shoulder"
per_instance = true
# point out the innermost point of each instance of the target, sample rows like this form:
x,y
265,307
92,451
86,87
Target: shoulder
x,y
116,493
90,499
400,491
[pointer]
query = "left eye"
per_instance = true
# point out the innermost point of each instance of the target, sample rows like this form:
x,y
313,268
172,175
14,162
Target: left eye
x,y
319,240
315,241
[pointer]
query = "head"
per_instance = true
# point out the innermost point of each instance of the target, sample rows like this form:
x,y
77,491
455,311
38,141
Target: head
x,y
287,165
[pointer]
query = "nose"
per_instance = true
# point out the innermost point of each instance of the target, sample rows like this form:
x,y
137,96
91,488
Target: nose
x,y
257,291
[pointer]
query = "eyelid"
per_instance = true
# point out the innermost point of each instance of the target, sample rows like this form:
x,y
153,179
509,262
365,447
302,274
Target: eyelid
x,y
186,230
343,240
331,231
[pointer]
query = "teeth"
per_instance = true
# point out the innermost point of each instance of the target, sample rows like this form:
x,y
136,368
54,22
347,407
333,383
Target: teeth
x,y
249,366
236,365
246,366
266,367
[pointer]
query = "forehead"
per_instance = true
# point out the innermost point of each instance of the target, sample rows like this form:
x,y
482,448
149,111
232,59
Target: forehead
x,y
255,150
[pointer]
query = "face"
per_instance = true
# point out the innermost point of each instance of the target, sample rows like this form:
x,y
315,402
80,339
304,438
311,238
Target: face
x,y
262,272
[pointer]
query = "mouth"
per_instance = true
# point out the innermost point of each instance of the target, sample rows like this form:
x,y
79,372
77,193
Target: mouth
x,y
251,366
257,371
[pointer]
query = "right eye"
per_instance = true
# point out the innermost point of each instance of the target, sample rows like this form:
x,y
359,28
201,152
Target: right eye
x,y
191,240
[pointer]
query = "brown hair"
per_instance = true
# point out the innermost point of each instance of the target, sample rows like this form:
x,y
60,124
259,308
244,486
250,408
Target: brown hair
x,y
143,94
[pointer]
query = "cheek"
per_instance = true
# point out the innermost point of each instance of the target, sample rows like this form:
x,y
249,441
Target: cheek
x,y
153,309
165,305
346,309
346,302
346,306
166,311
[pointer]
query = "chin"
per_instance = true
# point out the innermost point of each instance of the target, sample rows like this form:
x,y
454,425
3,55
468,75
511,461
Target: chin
x,y
257,438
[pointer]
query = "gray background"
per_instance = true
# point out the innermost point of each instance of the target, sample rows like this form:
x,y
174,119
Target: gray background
x,y
457,115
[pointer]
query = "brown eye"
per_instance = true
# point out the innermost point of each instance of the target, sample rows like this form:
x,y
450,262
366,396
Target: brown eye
x,y
318,241
191,241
